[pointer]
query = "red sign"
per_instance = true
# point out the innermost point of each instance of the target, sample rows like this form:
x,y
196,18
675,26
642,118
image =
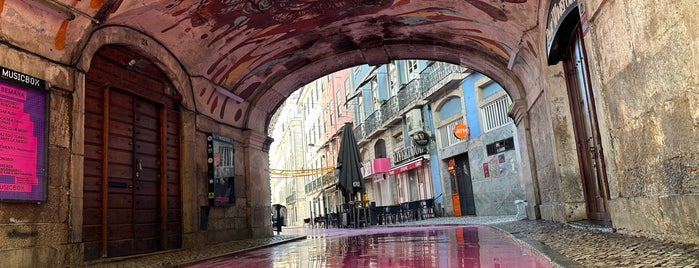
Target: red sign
x,y
461,131
486,170
406,167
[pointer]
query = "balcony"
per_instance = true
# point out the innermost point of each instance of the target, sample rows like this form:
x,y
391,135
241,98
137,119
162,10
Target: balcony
x,y
436,77
440,76
409,153
373,123
409,94
375,166
391,111
291,198
359,133
321,182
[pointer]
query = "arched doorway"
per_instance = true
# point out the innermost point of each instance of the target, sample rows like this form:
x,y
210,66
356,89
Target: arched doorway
x,y
132,198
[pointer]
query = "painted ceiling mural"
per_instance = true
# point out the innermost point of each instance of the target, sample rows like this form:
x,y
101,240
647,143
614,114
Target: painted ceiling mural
x,y
247,46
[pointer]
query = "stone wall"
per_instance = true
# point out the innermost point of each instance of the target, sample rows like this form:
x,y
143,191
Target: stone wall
x,y
644,63
495,195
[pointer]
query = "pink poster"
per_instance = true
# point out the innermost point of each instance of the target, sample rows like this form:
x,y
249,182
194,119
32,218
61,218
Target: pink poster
x,y
22,141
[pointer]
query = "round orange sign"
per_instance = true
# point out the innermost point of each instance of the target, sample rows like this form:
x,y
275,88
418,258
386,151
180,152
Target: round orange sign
x,y
461,131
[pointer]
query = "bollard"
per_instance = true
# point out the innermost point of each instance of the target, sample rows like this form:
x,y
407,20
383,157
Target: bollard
x,y
521,209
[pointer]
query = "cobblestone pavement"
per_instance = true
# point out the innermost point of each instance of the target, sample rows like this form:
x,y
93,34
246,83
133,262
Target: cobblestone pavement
x,y
562,244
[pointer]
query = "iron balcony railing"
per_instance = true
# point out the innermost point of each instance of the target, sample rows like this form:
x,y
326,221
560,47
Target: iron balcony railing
x,y
359,133
436,73
373,122
415,90
291,198
321,182
390,109
408,94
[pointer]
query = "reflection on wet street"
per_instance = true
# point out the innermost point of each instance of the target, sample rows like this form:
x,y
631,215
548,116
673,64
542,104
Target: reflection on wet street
x,y
444,246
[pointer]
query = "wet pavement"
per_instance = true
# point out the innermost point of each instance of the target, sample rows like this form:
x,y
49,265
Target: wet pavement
x,y
560,244
434,246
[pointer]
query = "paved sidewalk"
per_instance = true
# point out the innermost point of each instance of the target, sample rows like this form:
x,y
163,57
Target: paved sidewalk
x,y
562,244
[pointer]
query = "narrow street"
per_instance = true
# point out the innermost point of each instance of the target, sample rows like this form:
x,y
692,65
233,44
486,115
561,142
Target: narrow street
x,y
418,246
427,241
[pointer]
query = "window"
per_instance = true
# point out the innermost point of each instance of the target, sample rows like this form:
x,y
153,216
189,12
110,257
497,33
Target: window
x,y
339,100
412,69
494,113
393,79
446,134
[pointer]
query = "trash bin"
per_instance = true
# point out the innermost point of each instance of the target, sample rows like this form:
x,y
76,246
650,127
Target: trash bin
x,y
521,209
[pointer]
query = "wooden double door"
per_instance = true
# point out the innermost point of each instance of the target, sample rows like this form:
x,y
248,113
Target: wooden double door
x,y
132,200
586,128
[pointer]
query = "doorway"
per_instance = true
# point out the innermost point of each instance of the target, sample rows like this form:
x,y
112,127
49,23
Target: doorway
x,y
462,173
132,201
586,129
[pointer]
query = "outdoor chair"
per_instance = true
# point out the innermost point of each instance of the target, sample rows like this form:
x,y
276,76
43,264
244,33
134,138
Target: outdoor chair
x,y
427,208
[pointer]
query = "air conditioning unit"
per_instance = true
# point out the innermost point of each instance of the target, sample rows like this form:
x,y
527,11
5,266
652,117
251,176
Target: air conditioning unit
x,y
413,119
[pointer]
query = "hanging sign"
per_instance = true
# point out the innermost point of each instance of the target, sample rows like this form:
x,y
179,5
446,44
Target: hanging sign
x,y
23,137
461,131
421,138
221,169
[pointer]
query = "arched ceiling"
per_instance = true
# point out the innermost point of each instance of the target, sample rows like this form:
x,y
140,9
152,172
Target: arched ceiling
x,y
262,50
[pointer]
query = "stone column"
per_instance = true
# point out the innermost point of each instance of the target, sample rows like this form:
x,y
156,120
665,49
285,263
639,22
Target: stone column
x,y
258,188
529,179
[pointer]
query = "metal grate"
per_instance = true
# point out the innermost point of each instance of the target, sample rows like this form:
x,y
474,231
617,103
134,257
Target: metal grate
x,y
494,113
446,134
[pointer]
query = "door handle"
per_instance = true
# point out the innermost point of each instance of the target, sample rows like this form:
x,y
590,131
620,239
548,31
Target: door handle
x,y
139,167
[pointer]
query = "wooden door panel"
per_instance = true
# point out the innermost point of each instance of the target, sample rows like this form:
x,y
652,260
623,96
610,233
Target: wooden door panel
x,y
146,245
147,109
119,231
92,184
138,196
147,122
120,200
93,151
121,171
120,129
119,113
123,143
93,121
173,189
120,248
146,148
94,106
146,186
147,135
94,198
122,158
93,136
147,202
145,216
122,216
120,99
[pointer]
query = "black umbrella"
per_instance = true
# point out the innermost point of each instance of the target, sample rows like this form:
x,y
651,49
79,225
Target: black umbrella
x,y
349,163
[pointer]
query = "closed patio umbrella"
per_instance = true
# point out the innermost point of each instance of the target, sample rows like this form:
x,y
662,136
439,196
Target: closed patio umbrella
x,y
349,165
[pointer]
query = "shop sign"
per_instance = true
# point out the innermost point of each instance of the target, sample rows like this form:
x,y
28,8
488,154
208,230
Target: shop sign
x,y
421,138
461,131
558,11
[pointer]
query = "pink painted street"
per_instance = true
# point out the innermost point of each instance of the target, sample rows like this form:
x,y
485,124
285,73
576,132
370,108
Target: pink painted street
x,y
436,246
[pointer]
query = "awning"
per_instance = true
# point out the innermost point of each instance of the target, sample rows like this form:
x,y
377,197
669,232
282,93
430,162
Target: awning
x,y
405,167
